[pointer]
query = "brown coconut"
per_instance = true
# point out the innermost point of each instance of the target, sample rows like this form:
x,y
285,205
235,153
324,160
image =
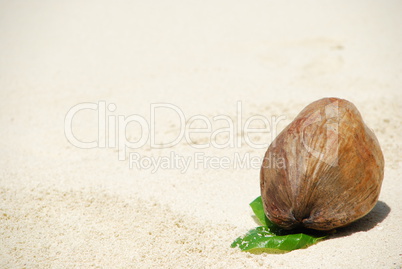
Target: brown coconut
x,y
324,170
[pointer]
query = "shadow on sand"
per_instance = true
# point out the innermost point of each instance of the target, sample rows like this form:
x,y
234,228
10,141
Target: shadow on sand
x,y
368,222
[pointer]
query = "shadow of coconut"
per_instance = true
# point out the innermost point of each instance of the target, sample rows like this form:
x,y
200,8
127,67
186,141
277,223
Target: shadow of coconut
x,y
368,222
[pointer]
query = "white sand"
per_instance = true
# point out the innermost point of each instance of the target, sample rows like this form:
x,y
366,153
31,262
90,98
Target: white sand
x,y
62,206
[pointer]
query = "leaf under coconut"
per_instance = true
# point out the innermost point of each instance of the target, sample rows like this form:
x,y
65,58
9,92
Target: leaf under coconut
x,y
270,238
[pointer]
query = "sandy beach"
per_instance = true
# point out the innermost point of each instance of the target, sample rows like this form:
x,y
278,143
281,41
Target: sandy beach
x,y
126,142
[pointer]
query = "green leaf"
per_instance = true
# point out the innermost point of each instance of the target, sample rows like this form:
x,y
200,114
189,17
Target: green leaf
x,y
271,238
258,210
262,239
